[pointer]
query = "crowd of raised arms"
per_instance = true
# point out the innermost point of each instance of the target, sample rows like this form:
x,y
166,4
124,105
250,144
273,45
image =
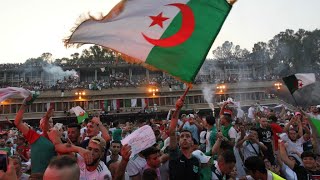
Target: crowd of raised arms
x,y
267,144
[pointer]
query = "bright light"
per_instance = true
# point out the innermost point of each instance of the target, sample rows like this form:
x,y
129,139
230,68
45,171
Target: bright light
x,y
278,85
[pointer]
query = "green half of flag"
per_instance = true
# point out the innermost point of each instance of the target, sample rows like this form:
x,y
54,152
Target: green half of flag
x,y
81,118
316,124
185,60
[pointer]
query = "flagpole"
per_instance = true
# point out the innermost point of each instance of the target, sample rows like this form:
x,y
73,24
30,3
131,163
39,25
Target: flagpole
x,y
294,99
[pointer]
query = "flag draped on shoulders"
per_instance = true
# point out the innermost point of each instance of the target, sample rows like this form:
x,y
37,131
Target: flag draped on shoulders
x,y
298,81
173,36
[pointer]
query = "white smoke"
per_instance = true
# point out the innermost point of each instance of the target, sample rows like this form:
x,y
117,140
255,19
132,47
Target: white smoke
x,y
57,73
207,91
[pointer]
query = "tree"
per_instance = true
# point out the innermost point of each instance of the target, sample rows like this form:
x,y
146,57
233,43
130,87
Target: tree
x,y
229,51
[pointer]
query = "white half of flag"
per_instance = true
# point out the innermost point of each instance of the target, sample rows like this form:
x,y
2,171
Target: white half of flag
x,y
305,79
77,110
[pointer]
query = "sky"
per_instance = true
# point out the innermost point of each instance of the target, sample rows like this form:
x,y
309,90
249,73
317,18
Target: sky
x,y
30,28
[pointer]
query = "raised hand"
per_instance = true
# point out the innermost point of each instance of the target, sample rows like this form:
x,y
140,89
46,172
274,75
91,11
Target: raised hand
x,y
86,155
126,152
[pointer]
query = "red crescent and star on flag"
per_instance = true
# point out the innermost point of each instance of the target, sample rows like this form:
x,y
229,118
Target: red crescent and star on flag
x,y
186,30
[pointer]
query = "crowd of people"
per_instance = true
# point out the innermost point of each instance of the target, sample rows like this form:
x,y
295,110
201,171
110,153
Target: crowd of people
x,y
267,144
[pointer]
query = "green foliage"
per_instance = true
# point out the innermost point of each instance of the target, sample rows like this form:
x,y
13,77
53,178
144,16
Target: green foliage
x,y
287,53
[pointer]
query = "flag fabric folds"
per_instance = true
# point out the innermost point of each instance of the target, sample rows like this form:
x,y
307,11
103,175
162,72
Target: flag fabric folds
x,y
170,35
315,124
6,93
80,113
298,81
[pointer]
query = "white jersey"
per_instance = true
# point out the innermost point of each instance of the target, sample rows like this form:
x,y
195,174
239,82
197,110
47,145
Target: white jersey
x,y
101,173
136,165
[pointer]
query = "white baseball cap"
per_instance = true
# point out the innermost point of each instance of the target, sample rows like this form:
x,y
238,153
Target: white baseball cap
x,y
203,137
201,156
190,116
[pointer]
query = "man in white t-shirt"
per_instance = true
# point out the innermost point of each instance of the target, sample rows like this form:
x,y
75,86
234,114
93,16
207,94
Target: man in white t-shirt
x,y
96,169
136,166
251,114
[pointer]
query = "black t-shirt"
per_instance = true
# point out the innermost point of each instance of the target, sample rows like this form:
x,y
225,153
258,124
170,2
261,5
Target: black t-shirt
x,y
265,135
180,167
303,173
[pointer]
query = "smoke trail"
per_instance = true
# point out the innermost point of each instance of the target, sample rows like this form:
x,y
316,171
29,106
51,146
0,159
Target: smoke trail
x,y
57,73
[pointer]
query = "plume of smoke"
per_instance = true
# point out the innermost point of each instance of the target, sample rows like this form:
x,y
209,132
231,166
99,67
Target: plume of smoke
x,y
58,73
208,95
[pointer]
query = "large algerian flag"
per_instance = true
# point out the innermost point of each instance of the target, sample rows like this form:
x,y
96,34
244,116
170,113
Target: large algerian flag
x,y
80,113
171,35
298,81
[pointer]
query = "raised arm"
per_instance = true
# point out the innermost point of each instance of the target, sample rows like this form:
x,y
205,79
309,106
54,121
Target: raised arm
x,y
125,152
18,120
173,124
284,156
104,132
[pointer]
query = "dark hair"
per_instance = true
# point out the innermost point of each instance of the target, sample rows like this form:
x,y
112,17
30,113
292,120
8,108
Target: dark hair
x,y
115,123
227,117
157,132
254,163
149,174
253,129
186,130
74,125
60,162
225,145
210,120
273,118
308,154
149,151
195,142
116,141
228,156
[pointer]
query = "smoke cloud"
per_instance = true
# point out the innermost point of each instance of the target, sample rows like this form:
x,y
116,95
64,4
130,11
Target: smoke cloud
x,y
57,73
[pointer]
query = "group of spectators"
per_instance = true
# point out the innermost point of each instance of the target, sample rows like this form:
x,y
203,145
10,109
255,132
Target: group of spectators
x,y
267,145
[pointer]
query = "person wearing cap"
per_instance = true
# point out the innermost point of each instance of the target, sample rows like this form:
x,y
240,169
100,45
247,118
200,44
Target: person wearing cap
x,y
191,125
308,167
97,168
205,166
94,127
256,168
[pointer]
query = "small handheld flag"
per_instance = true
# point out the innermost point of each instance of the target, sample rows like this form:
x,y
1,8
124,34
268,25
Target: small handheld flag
x,y
80,113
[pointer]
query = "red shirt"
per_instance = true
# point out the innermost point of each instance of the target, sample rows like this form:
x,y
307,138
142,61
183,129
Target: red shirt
x,y
276,128
23,149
